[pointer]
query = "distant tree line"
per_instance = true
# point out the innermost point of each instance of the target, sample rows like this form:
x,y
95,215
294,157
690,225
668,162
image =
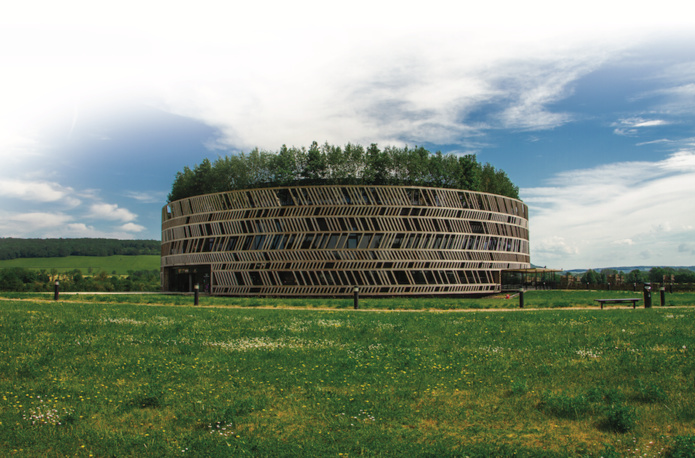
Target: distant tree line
x,y
348,165
655,275
19,279
11,248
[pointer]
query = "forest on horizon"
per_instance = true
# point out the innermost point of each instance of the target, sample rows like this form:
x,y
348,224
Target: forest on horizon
x,y
14,248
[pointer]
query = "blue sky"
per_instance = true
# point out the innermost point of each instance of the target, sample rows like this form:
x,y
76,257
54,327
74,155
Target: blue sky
x,y
589,107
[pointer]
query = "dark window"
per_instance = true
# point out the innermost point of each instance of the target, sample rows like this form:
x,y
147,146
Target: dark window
x,y
376,241
352,241
323,226
397,241
287,278
258,242
418,277
332,241
477,227
319,241
256,278
306,243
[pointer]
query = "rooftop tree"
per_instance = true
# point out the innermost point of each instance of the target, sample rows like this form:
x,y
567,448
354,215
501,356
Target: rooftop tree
x,y
351,165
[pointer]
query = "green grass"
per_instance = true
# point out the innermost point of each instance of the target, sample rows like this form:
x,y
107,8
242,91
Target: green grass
x,y
532,299
120,264
124,379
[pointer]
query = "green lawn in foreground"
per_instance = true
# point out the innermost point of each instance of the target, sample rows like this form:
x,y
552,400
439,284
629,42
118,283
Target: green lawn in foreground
x,y
120,264
132,380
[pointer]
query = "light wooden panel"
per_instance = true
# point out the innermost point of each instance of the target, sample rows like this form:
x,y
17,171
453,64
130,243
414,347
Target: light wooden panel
x,y
325,240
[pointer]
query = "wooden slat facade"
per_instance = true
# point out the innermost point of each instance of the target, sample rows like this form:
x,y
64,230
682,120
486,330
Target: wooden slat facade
x,y
325,240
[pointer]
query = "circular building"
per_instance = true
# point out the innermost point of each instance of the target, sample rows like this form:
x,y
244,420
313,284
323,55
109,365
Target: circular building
x,y
327,240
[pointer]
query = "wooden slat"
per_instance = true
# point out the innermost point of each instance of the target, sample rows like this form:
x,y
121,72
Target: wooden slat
x,y
433,226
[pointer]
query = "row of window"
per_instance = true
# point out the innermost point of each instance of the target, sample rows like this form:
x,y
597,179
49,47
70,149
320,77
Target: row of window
x,y
350,241
359,224
356,265
343,212
355,278
499,258
328,291
343,196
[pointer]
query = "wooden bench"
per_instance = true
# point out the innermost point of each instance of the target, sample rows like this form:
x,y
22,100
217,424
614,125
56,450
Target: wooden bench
x,y
618,301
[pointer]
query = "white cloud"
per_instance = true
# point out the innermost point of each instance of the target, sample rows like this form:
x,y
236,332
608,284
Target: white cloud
x,y
38,191
111,212
629,126
148,197
651,123
375,71
615,214
38,220
131,227
554,248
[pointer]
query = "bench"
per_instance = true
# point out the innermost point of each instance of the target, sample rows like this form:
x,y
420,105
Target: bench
x,y
618,301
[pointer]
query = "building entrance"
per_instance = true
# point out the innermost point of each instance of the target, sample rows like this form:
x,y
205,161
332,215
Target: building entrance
x,y
183,279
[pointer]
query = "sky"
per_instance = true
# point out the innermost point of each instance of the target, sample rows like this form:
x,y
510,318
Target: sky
x,y
588,106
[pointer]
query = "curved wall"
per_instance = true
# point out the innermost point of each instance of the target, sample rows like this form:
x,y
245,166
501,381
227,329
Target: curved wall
x,y
325,240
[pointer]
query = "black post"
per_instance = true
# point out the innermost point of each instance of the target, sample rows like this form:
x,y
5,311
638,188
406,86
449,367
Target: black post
x,y
521,298
647,295
357,297
670,288
196,288
663,295
587,285
55,294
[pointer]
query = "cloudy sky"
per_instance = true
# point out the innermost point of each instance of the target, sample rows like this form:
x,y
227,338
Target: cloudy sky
x,y
589,107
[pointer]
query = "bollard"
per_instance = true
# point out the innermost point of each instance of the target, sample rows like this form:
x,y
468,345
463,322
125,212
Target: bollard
x,y
357,297
521,298
55,294
647,295
196,289
662,290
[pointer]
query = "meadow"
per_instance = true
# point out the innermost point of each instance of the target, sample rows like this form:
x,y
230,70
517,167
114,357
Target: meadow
x,y
86,378
532,299
120,265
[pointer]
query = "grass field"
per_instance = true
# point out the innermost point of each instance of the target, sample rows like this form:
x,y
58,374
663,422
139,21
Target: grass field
x,y
124,379
532,299
88,264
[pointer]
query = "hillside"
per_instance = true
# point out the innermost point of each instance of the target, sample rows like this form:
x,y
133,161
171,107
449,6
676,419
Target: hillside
x,y
88,265
12,248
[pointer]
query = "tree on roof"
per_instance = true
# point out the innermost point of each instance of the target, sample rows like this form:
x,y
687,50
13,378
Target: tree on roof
x,y
349,165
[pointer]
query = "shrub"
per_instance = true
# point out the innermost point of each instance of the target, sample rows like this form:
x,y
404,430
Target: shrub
x,y
519,387
564,406
682,446
605,395
649,393
620,418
